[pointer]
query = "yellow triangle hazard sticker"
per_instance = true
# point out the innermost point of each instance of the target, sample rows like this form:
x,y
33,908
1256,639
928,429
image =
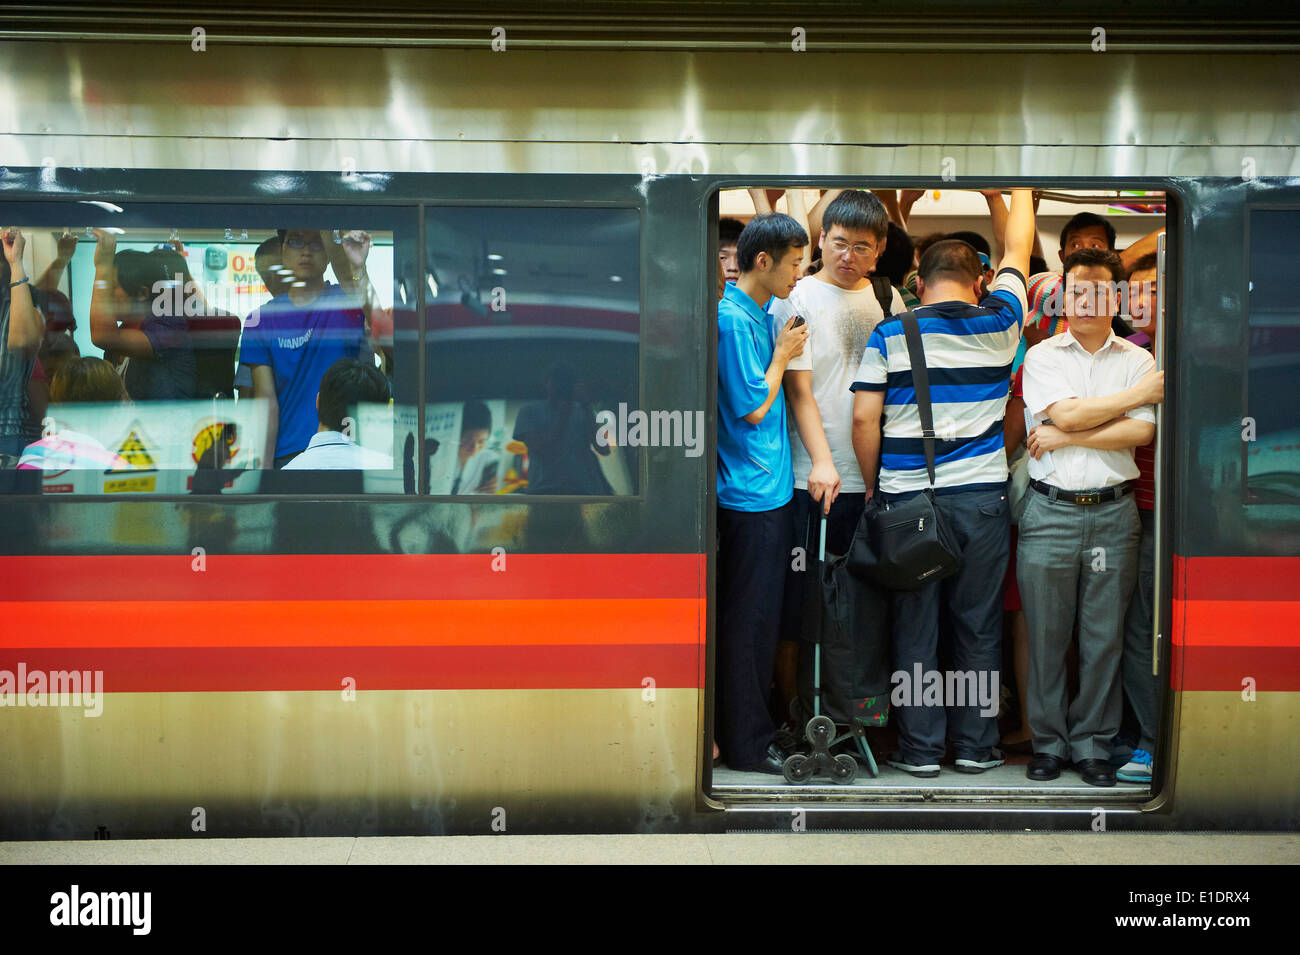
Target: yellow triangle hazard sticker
x,y
136,453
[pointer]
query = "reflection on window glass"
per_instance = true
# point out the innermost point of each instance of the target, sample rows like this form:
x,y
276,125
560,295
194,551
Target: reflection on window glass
x,y
533,332
202,359
1273,457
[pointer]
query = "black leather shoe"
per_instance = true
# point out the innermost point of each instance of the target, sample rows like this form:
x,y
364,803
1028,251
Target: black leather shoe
x,y
772,762
1044,766
1096,772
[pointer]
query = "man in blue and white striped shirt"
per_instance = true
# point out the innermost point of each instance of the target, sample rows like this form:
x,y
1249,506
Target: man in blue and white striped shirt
x,y
969,349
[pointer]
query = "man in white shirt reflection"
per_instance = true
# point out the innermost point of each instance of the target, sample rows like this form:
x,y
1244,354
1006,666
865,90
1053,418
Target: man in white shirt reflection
x,y
346,385
1092,398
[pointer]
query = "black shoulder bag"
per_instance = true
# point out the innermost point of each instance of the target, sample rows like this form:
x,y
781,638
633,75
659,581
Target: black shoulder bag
x,y
908,545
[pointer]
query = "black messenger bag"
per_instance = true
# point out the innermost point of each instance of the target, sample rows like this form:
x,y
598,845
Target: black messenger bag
x,y
907,545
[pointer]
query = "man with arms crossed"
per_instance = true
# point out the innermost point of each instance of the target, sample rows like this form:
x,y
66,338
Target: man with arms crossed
x,y
1092,395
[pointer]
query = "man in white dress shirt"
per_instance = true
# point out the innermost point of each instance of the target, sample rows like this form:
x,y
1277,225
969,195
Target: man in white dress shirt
x,y
1092,398
346,384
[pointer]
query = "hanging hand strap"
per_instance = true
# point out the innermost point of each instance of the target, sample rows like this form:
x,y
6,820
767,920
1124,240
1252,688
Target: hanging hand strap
x,y
921,385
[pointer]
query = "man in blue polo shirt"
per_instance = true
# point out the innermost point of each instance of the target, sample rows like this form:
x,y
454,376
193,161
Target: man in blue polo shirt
x,y
755,486
292,340
968,352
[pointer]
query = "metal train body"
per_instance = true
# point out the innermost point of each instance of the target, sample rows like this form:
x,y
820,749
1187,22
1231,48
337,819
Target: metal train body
x,y
571,692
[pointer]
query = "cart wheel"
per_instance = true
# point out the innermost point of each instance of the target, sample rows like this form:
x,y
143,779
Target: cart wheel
x,y
820,731
845,769
797,768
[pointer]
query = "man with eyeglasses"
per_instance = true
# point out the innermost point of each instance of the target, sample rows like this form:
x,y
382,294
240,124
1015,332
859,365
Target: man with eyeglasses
x,y
291,341
841,306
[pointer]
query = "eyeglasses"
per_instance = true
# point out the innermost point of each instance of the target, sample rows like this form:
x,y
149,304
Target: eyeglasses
x,y
861,251
315,244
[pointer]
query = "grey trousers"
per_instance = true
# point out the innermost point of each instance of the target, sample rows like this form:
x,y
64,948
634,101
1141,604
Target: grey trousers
x,y
1076,562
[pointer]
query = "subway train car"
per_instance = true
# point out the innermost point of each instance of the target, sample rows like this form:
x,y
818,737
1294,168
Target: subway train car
x,y
474,637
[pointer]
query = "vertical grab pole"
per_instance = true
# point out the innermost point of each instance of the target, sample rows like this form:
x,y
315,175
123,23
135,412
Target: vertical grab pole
x,y
1158,556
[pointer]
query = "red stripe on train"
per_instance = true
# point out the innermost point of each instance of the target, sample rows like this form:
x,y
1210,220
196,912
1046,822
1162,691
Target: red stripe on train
x,y
1236,578
1273,669
352,577
264,669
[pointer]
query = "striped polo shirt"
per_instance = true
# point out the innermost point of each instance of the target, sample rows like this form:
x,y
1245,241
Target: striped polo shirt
x,y
968,351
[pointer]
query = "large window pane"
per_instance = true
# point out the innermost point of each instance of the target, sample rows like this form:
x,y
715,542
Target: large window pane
x,y
1273,457
533,335
185,349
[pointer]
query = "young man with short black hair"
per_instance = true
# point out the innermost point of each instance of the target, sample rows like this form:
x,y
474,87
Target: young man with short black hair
x,y
755,484
346,385
1092,396
842,306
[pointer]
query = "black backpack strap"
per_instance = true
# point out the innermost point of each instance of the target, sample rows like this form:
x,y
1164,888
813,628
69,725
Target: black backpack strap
x,y
921,384
884,293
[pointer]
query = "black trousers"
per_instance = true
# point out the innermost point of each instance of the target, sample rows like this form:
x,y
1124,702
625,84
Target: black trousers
x,y
753,554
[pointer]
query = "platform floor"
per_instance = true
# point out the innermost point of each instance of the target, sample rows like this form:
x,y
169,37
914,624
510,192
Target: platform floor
x,y
807,848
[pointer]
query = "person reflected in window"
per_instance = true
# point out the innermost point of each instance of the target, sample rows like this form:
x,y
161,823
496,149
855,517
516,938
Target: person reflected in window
x,y
476,466
132,318
344,388
560,433
293,339
21,331
79,380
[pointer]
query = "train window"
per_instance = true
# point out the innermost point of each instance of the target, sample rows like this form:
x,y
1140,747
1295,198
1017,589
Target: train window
x,y
1272,425
533,350
208,349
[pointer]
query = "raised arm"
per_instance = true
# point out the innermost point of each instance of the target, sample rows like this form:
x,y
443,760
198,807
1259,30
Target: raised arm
x,y
26,326
906,199
348,259
816,212
1148,243
53,274
889,198
1019,235
761,205
799,212
105,332
998,213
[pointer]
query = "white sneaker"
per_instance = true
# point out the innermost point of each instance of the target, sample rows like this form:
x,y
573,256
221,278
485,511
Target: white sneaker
x,y
1137,769
927,771
979,765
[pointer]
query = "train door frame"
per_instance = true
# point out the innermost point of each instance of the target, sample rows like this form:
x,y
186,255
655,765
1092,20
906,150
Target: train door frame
x,y
1159,797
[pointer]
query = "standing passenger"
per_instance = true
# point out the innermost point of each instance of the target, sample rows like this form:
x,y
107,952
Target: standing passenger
x,y
842,306
968,352
1092,394
158,349
301,333
755,484
1141,686
21,330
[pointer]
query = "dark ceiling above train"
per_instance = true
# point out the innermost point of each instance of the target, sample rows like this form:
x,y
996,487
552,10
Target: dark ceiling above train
x,y
826,25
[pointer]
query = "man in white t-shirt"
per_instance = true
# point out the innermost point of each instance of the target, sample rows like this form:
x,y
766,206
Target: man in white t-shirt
x,y
841,305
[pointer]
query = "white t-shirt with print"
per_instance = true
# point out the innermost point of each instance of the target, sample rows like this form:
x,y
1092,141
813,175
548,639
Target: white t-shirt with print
x,y
839,324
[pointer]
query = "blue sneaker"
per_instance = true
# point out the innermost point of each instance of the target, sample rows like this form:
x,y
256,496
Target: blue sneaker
x,y
1137,769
